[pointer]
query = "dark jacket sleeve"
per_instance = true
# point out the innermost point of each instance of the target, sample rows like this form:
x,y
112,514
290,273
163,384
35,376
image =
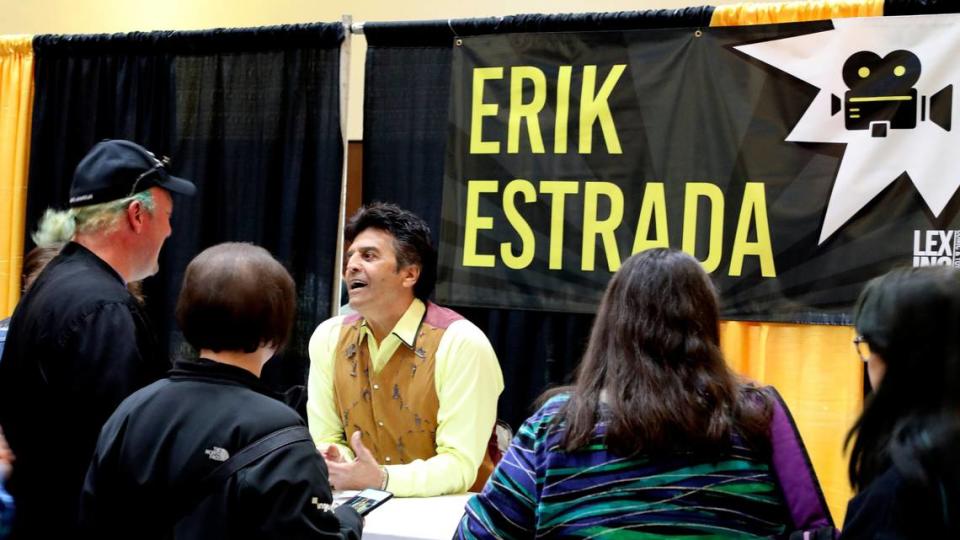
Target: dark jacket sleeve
x,y
287,495
351,523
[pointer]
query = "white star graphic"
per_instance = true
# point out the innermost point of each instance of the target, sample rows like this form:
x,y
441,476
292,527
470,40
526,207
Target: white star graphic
x,y
929,154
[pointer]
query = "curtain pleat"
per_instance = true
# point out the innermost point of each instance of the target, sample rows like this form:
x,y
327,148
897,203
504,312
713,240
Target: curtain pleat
x,y
784,12
440,33
16,105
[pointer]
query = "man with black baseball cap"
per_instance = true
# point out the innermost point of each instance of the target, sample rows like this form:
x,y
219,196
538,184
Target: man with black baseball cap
x,y
79,342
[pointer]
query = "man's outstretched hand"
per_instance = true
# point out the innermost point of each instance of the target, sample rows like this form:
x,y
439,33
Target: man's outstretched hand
x,y
361,473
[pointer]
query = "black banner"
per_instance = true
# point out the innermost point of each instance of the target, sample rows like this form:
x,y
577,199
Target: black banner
x,y
795,161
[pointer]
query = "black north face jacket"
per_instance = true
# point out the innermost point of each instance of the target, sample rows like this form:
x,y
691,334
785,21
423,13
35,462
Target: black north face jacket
x,y
145,479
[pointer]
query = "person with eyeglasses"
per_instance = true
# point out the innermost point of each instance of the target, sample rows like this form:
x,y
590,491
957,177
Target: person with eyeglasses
x,y
903,460
79,342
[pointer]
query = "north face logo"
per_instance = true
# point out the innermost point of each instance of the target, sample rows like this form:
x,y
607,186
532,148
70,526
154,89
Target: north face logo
x,y
217,454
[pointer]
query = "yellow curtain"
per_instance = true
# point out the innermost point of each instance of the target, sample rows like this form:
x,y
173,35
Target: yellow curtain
x,y
782,12
16,107
817,371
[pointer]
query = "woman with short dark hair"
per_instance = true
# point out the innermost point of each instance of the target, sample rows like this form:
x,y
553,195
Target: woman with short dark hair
x,y
158,471
903,462
236,297
655,437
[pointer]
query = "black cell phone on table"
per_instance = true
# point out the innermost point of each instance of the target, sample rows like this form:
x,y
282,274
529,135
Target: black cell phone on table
x,y
368,499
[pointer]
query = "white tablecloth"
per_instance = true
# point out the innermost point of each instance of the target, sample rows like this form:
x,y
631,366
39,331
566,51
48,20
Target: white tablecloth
x,y
413,518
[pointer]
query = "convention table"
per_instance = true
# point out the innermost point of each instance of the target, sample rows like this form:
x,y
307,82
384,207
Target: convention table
x,y
412,518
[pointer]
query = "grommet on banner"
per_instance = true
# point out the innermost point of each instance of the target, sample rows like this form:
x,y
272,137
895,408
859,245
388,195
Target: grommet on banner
x,y
698,33
459,42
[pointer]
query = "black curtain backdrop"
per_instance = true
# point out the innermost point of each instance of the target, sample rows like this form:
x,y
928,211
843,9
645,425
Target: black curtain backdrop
x,y
250,115
919,7
406,105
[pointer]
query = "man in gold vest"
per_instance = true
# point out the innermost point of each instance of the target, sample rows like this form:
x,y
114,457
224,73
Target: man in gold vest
x,y
411,385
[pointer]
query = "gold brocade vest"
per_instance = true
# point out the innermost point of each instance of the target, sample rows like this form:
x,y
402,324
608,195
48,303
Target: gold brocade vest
x,y
396,409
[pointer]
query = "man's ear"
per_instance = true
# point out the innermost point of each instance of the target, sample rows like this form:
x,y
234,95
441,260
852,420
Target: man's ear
x,y
410,273
136,214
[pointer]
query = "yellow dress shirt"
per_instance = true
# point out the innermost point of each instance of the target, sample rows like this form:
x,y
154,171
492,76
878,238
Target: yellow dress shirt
x,y
468,381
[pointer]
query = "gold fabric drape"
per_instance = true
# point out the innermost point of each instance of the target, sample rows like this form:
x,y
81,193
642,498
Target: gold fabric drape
x,y
819,375
783,12
16,108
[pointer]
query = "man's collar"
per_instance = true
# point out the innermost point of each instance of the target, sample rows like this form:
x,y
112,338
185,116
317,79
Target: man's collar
x,y
408,325
205,368
79,250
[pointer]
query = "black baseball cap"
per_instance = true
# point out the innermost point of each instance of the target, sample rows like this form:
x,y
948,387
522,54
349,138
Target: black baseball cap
x,y
114,169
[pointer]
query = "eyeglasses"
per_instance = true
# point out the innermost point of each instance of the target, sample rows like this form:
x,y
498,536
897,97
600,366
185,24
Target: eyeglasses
x,y
162,163
863,348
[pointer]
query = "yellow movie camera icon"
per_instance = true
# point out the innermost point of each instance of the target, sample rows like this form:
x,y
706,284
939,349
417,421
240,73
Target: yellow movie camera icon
x,y
882,96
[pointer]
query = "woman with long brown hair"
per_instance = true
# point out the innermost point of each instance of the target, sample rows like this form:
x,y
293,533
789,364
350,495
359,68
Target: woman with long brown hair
x,y
656,435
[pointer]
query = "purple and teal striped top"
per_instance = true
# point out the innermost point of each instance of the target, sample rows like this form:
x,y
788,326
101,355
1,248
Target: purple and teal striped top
x,y
541,491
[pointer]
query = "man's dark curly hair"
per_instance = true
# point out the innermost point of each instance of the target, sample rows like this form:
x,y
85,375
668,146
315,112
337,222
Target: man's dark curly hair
x,y
411,240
